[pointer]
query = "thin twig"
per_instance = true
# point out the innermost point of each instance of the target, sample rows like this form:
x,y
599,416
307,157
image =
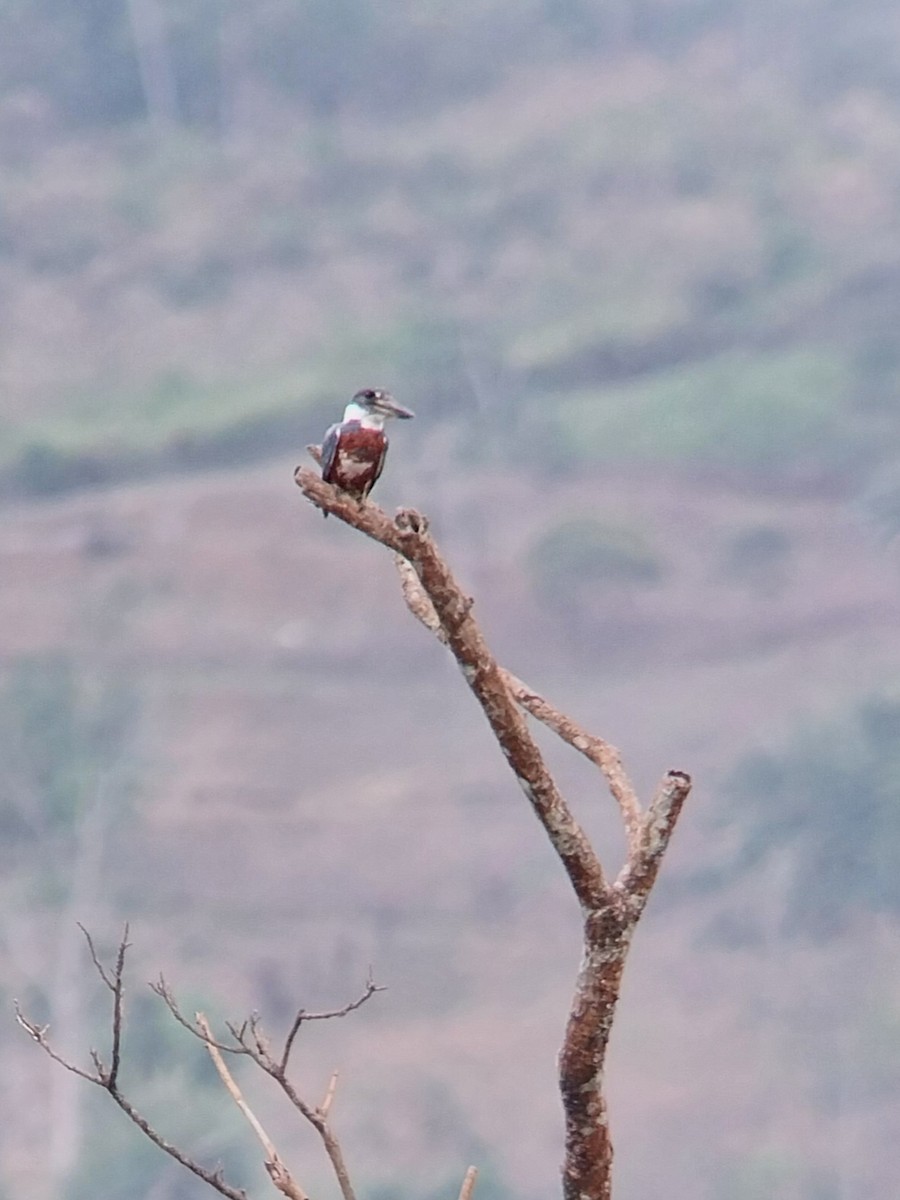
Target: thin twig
x,y
279,1174
325,1106
212,1177
289,1040
118,990
232,1087
108,1080
330,1014
162,989
108,979
303,1016
38,1034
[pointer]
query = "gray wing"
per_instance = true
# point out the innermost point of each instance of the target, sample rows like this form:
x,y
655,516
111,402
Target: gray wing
x,y
329,450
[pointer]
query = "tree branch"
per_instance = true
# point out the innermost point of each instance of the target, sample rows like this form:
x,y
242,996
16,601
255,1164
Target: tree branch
x,y
468,1184
638,875
251,1040
278,1172
408,536
303,1016
601,753
610,911
328,1099
108,1080
38,1033
598,751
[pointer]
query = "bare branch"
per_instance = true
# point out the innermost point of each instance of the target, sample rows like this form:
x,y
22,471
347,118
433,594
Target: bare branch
x,y
213,1178
639,874
303,1016
260,1039
336,1156
108,979
610,912
109,1082
598,751
118,990
239,1033
371,987
278,1172
408,536
416,600
162,989
325,1106
289,1040
318,1118
252,1041
38,1033
283,1181
665,809
468,1184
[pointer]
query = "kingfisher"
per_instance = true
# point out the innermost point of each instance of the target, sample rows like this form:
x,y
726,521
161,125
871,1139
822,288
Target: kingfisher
x,y
354,450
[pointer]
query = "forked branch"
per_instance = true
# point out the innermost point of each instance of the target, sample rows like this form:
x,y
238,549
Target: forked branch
x,y
601,753
610,910
247,1039
278,1172
107,1077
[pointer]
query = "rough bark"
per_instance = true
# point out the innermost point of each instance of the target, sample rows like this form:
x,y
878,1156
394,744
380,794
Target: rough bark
x,y
610,910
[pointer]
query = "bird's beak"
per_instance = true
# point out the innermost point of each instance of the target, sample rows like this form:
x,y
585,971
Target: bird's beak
x,y
389,406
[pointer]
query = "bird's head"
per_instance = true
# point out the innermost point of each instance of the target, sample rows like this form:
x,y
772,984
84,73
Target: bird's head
x,y
375,405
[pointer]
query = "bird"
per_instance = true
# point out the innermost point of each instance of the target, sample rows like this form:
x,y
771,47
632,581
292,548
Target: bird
x,y
354,449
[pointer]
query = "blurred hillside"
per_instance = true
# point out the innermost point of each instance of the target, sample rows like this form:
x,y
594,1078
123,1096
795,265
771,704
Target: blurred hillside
x,y
636,265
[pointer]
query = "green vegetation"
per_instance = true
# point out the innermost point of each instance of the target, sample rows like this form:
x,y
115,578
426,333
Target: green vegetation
x,y
60,731
829,802
760,414
683,252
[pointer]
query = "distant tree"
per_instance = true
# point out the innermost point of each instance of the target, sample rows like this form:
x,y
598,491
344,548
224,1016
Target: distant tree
x,y
67,745
611,908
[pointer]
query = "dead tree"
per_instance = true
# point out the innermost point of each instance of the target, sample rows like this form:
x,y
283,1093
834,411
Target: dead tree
x,y
610,908
248,1040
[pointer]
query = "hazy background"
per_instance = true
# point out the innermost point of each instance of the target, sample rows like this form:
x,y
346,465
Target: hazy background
x,y
636,265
